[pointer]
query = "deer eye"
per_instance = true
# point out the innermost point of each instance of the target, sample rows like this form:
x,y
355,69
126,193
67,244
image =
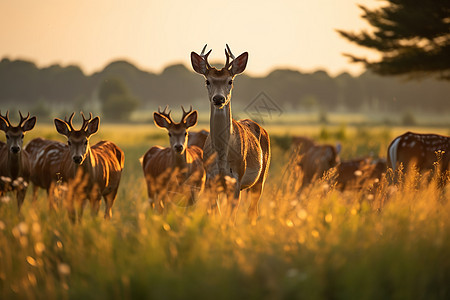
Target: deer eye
x,y
85,143
7,137
207,82
230,82
185,134
22,135
170,134
69,143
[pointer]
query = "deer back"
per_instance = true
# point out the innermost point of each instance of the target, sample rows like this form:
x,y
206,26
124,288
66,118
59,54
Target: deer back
x,y
46,157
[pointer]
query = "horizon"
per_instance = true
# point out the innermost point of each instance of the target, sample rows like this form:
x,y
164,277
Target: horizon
x,y
187,66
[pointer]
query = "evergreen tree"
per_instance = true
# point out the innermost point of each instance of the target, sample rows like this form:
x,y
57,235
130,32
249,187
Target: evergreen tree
x,y
412,36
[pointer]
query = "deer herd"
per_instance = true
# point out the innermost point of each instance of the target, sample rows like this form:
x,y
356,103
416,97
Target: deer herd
x,y
234,155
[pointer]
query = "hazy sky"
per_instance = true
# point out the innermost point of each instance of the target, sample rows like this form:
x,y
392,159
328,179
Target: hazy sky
x,y
298,34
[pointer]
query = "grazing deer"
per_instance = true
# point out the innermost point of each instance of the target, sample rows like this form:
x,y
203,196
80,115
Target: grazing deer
x,y
14,162
317,160
238,149
421,151
356,173
177,170
301,144
46,157
97,168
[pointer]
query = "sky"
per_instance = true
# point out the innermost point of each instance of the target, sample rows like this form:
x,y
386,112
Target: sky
x,y
294,34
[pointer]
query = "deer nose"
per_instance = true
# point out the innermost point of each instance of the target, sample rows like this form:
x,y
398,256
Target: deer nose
x,y
77,159
15,149
178,148
218,100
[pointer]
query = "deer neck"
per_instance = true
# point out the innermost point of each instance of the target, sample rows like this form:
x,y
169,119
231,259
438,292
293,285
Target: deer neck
x,y
179,160
221,127
88,165
14,163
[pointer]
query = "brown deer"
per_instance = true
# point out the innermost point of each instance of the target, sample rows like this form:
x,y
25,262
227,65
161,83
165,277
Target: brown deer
x,y
197,138
14,162
317,161
178,169
421,151
360,172
46,157
96,169
237,149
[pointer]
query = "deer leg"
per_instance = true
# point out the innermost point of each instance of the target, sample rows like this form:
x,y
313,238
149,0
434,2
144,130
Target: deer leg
x,y
81,209
20,194
109,201
255,194
35,193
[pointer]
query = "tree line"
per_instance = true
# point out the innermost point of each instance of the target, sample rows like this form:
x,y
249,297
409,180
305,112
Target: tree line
x,y
122,87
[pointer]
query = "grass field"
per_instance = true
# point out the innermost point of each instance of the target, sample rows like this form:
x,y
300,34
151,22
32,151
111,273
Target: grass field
x,y
321,244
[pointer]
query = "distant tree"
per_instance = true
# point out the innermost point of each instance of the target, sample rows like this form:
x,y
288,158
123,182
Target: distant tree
x,y
412,36
117,102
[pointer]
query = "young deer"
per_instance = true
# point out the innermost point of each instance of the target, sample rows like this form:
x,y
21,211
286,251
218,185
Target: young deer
x,y
237,149
177,170
96,169
14,162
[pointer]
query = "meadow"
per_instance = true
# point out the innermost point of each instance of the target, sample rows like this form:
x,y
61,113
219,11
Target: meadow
x,y
320,244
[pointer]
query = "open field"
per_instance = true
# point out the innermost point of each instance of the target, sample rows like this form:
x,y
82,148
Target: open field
x,y
322,244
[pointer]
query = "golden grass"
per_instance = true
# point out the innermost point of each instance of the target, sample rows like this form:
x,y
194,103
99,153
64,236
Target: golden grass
x,y
317,244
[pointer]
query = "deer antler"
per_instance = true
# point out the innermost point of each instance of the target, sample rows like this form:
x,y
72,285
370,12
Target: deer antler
x,y
70,121
85,121
22,119
6,117
205,56
165,113
228,54
185,113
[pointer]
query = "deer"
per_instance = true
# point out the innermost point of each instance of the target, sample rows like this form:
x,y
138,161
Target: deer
x,y
46,157
425,152
236,150
178,169
317,161
14,161
92,172
197,138
359,172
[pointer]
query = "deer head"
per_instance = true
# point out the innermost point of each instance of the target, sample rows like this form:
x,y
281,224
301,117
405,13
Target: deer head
x,y
178,132
15,134
78,140
219,82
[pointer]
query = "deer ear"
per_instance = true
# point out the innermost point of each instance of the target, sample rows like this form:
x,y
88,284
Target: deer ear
x,y
29,124
198,63
161,121
239,64
62,127
191,119
3,124
93,125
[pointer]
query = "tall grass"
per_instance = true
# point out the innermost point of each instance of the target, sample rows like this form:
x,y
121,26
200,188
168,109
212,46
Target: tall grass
x,y
317,244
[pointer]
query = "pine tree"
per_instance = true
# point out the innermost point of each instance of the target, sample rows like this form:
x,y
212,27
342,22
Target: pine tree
x,y
413,37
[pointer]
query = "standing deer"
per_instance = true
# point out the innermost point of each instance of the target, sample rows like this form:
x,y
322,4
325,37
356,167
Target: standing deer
x,y
177,170
419,150
14,162
46,157
96,169
238,149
